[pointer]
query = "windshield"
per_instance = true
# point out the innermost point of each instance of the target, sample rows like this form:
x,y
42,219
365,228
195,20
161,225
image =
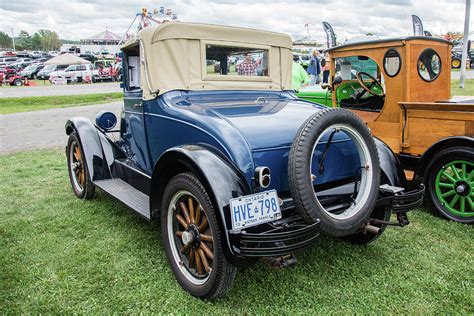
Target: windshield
x,y
49,67
349,67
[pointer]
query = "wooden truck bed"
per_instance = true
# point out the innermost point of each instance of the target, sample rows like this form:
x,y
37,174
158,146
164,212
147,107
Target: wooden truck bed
x,y
423,124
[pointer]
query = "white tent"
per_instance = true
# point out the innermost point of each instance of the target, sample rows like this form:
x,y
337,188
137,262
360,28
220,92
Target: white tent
x,y
66,59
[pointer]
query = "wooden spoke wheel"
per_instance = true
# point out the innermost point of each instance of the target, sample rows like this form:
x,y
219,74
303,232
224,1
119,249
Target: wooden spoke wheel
x,y
78,173
193,240
193,236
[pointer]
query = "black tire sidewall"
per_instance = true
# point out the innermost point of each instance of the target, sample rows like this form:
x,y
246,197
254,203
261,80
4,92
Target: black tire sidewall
x,y
438,161
89,188
299,171
191,184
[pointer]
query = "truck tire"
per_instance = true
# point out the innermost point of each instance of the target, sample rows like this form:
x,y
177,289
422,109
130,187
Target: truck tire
x,y
192,239
455,63
352,219
449,180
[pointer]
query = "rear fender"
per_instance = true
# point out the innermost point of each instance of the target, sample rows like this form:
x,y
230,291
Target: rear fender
x,y
98,149
220,178
465,141
391,169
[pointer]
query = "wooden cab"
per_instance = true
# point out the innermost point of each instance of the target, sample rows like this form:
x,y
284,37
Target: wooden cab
x,y
415,77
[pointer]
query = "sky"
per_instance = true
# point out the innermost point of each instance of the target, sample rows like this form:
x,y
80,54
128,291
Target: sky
x,y
76,19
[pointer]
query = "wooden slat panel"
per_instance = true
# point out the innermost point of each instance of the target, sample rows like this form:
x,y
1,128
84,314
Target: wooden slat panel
x,y
421,133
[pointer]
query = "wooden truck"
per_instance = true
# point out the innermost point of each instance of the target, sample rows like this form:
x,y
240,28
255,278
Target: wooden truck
x,y
401,88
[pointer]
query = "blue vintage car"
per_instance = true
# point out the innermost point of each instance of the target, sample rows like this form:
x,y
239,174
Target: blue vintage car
x,y
231,161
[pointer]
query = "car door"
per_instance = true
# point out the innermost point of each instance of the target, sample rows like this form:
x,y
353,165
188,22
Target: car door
x,y
132,118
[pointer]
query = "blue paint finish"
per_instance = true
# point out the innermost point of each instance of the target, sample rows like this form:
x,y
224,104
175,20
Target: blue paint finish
x,y
249,128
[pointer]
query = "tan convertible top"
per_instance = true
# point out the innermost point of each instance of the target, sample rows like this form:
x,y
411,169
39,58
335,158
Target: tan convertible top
x,y
172,56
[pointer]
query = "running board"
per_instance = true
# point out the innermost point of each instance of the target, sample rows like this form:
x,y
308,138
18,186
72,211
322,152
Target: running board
x,y
128,195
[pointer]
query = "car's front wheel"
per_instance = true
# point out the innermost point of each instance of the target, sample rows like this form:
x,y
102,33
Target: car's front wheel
x,y
192,239
81,182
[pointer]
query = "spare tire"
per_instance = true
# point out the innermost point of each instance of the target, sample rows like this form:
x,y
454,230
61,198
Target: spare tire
x,y
340,211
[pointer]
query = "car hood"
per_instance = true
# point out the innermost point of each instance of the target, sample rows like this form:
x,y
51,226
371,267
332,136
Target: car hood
x,y
264,122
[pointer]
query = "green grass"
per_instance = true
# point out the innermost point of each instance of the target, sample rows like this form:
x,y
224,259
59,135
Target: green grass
x,y
59,254
468,87
26,104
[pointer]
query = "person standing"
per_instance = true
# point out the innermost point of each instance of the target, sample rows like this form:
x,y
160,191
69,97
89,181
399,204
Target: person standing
x,y
248,67
314,69
325,69
299,77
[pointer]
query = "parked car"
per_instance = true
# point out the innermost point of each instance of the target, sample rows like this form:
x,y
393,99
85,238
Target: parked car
x,y
406,102
236,167
31,71
7,60
53,53
89,56
75,72
456,59
20,65
44,73
35,54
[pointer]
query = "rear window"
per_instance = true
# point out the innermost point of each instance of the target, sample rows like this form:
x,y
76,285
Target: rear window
x,y
222,61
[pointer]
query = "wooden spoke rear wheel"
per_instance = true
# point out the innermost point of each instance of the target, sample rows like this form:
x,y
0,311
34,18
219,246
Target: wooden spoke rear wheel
x,y
77,166
193,240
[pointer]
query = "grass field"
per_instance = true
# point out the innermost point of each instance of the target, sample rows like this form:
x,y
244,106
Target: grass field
x,y
468,87
64,255
26,104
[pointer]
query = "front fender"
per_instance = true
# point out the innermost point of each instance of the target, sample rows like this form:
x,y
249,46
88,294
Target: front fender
x,y
220,178
391,169
97,149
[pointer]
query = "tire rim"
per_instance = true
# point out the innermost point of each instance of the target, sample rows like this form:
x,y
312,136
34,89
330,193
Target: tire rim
x,y
366,171
454,188
456,63
78,172
191,238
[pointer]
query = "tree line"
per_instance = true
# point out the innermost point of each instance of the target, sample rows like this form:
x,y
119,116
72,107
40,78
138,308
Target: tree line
x,y
44,40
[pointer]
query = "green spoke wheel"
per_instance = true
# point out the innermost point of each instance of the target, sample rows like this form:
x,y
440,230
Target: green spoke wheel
x,y
454,188
450,184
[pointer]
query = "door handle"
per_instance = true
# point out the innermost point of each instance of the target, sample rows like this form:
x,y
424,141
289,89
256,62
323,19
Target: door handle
x,y
137,105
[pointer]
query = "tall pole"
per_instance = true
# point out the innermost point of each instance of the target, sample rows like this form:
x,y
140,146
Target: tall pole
x,y
13,37
464,45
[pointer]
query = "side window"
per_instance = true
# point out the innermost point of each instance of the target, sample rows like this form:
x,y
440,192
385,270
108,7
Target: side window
x,y
131,59
81,68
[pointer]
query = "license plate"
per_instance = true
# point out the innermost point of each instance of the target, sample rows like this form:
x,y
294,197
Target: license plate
x,y
255,209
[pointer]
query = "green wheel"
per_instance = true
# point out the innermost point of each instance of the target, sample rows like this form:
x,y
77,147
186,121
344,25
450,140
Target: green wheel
x,y
450,184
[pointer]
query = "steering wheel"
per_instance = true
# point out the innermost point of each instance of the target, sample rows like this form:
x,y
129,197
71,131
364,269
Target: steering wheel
x,y
372,83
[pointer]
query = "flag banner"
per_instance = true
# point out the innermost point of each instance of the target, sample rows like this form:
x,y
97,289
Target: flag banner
x,y
417,26
330,35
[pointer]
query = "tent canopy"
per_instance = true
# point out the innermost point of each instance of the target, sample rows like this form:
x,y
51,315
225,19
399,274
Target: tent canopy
x,y
67,59
104,36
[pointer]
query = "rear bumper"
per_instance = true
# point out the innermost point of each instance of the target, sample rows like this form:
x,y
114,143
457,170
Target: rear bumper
x,y
279,238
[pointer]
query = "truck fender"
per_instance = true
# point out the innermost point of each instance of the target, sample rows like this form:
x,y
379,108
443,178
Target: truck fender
x,y
97,148
220,178
453,141
391,169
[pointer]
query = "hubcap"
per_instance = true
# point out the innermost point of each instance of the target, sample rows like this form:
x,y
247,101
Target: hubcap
x,y
454,188
191,238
